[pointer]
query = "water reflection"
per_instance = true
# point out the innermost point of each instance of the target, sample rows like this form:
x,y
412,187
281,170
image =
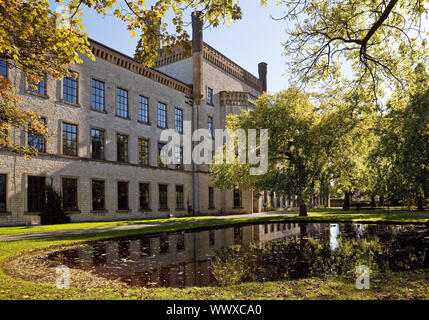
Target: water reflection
x,y
251,253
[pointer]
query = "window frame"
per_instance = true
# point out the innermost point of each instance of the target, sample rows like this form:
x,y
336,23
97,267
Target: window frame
x,y
139,151
148,208
62,139
76,196
210,96
6,68
165,117
182,200
92,195
38,187
119,89
180,120
6,184
103,143
139,109
77,89
29,90
240,199
118,208
161,206
127,160
45,122
104,95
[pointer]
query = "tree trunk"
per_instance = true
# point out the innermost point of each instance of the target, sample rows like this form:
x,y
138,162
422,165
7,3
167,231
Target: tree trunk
x,y
419,203
381,200
346,204
373,205
303,210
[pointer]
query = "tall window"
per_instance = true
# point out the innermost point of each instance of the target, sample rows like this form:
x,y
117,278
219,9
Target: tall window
x,y
209,96
37,141
3,68
211,198
179,197
162,115
143,115
36,193
98,195
40,88
69,194
178,119
144,195
97,144
3,192
70,89
210,126
97,95
237,198
122,147
160,147
122,195
122,103
179,157
163,196
69,139
143,152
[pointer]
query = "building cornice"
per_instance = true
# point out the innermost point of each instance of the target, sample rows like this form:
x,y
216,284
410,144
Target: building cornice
x,y
210,54
103,52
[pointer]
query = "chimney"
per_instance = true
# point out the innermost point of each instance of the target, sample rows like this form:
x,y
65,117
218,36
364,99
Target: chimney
x,y
262,70
197,56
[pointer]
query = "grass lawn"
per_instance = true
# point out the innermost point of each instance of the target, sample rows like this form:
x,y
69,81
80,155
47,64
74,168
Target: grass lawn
x,y
404,285
397,215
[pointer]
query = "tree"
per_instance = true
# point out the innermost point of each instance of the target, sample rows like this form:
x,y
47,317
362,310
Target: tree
x,y
377,40
297,151
401,158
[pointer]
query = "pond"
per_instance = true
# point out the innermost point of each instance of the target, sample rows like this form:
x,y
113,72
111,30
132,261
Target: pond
x,y
259,252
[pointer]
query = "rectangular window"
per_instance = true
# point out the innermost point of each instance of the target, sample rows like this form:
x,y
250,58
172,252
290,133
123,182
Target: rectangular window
x,y
210,126
162,115
180,242
3,192
144,195
209,96
36,193
70,89
69,139
122,148
179,157
163,244
163,196
143,152
97,95
40,87
122,103
237,199
211,198
238,235
178,119
160,147
98,195
179,197
143,115
97,144
211,237
145,247
266,228
37,141
122,195
3,68
69,194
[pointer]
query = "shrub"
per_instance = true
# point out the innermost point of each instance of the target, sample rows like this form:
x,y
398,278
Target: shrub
x,y
53,212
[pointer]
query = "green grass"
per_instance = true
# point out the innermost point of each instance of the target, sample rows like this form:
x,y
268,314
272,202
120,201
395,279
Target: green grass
x,y
88,225
404,285
396,215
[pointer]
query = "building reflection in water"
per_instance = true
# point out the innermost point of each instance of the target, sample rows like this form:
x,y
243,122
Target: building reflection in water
x,y
182,259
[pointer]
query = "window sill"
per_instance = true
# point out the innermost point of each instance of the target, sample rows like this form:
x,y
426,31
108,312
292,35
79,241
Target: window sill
x,y
212,208
164,209
5,213
145,210
237,207
99,111
162,127
180,209
32,213
43,96
123,211
121,117
143,122
99,211
72,211
70,103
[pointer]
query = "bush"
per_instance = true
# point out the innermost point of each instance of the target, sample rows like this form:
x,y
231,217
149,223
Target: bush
x,y
53,212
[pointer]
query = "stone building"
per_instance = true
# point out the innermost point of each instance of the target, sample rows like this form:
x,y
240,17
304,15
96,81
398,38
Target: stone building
x,y
102,152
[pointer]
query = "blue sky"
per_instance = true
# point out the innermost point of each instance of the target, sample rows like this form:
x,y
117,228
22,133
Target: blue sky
x,y
253,39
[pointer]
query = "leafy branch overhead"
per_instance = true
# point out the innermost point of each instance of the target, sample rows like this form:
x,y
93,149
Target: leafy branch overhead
x,y
379,41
